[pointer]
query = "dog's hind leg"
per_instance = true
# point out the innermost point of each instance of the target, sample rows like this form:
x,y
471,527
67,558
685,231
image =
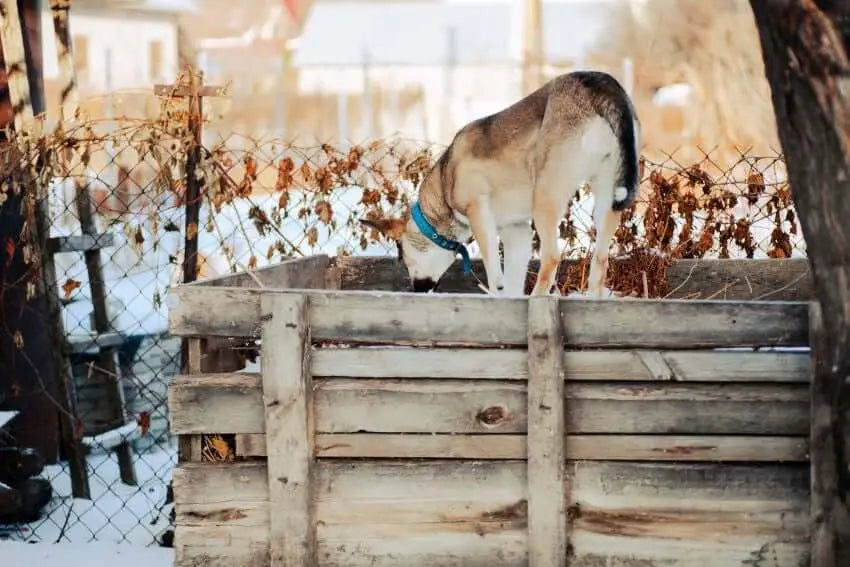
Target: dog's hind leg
x,y
546,219
516,239
606,221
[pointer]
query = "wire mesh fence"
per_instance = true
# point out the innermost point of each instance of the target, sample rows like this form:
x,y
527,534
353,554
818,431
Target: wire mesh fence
x,y
261,201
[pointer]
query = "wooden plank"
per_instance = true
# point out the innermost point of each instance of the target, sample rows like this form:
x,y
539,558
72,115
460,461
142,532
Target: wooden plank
x,y
297,273
678,448
474,512
672,514
510,364
216,403
105,340
410,318
446,406
80,242
737,279
547,543
218,545
289,425
240,497
787,279
232,403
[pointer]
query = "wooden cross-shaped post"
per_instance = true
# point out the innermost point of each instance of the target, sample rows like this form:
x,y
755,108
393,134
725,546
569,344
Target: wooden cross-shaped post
x,y
192,87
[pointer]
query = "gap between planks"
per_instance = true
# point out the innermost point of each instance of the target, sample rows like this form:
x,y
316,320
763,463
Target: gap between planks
x,y
694,448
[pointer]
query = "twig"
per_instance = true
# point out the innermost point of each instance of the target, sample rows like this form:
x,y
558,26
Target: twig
x,y
686,280
645,284
783,288
252,275
722,290
65,523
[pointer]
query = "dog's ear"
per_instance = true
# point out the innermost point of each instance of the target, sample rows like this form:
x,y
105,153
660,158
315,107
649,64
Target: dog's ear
x,y
389,227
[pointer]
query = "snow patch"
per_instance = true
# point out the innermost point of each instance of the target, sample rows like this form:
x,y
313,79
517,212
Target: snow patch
x,y
19,554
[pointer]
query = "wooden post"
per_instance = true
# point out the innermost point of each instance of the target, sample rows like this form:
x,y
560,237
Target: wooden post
x,y
532,46
195,91
287,396
546,491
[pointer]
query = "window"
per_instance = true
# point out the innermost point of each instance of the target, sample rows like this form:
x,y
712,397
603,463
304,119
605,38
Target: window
x,y
155,60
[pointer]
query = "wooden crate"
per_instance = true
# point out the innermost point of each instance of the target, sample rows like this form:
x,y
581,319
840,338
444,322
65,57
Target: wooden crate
x,y
390,428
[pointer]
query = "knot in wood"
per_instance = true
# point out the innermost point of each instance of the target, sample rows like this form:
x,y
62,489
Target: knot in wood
x,y
493,416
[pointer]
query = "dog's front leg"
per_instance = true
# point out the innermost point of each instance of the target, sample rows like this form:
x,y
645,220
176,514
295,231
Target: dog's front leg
x,y
516,239
483,226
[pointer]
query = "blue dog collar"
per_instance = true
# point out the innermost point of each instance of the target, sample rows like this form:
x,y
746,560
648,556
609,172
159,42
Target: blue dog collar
x,y
428,230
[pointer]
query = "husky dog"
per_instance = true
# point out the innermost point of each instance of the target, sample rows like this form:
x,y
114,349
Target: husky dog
x,y
524,163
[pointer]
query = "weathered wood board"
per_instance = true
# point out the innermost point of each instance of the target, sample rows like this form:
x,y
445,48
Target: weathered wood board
x,y
400,318
510,364
734,279
680,448
232,403
475,513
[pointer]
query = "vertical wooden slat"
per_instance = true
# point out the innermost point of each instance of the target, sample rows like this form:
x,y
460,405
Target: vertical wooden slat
x,y
287,393
546,455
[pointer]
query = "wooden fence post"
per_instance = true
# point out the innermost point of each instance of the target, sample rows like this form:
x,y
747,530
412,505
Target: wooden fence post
x,y
547,538
287,397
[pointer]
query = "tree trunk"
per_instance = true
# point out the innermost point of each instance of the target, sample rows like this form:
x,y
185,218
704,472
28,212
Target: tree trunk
x,y
27,374
805,45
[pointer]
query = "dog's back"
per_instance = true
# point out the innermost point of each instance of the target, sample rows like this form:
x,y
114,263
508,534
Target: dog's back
x,y
579,127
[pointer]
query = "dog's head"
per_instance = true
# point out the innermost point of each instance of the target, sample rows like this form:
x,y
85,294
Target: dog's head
x,y
425,261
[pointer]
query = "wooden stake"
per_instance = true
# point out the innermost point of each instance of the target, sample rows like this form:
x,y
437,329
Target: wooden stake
x,y
547,540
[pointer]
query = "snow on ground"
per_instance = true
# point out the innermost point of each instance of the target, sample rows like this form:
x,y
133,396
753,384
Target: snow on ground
x,y
117,513
18,554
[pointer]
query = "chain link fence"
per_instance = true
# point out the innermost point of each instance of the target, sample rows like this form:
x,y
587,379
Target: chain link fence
x,y
262,201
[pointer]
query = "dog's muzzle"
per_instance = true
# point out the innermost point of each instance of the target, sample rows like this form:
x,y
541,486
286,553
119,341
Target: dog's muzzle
x,y
424,285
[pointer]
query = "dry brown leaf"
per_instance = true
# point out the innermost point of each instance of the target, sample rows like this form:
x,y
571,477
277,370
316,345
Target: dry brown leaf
x,y
221,447
144,421
324,211
192,231
284,174
69,286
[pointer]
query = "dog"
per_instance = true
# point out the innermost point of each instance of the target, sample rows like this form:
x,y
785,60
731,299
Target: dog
x,y
521,164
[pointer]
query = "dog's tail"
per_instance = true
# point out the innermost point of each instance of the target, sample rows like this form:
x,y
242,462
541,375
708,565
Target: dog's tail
x,y
611,102
628,176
